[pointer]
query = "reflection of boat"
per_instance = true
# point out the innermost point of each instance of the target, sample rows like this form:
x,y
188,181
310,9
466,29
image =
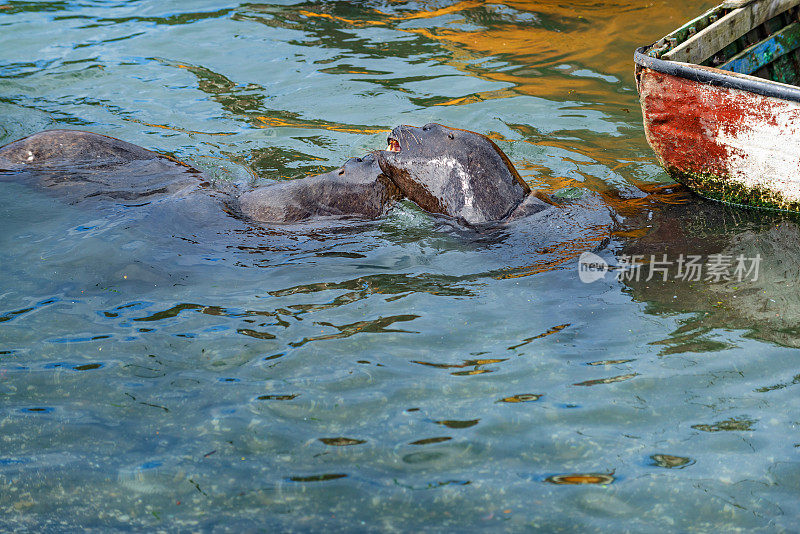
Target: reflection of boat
x,y
721,102
713,298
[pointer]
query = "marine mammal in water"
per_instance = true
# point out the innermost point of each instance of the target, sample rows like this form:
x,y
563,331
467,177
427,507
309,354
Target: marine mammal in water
x,y
83,166
358,189
456,172
444,170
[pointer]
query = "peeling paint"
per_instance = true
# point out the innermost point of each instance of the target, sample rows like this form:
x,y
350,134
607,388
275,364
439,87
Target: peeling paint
x,y
724,143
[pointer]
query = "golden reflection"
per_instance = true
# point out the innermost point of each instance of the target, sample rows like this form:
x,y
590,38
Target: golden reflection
x,y
351,22
565,252
581,478
174,128
524,397
596,36
546,49
455,8
590,42
600,36
277,122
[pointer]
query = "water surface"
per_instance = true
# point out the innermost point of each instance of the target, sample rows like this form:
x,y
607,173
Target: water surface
x,y
175,369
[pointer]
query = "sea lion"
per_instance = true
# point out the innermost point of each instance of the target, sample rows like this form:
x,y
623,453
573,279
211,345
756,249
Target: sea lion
x,y
444,170
357,189
85,167
457,173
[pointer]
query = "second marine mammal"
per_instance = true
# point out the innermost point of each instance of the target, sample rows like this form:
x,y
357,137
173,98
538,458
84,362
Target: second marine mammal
x,y
456,172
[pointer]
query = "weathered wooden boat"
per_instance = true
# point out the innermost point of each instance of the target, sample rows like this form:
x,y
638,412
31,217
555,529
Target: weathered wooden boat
x,y
721,102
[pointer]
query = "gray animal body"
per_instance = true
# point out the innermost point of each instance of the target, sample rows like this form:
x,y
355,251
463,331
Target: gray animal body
x,y
358,189
87,167
455,172
446,171
83,166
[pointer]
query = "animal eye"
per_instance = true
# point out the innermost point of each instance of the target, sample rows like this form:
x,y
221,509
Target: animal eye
x,y
451,136
359,160
341,172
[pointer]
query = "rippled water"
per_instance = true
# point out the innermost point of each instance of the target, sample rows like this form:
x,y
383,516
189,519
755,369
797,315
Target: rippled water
x,y
178,370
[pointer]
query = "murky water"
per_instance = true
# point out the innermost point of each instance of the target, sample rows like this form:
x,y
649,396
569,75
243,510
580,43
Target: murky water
x,y
174,369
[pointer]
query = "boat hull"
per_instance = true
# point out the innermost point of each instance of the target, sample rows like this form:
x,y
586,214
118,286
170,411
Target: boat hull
x,y
720,139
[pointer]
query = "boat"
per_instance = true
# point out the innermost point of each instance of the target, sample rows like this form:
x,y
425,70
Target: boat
x,y
720,100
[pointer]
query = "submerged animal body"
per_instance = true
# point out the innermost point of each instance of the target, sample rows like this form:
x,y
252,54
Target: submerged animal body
x,y
358,189
455,172
444,170
87,167
83,167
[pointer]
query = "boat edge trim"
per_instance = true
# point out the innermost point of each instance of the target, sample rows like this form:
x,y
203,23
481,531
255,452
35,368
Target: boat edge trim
x,y
716,77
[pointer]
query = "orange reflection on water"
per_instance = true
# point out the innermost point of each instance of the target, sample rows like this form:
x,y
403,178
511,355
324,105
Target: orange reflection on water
x,y
174,128
582,478
553,258
455,8
350,22
276,122
598,36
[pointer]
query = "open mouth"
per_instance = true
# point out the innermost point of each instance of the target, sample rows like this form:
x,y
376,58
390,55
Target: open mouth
x,y
394,145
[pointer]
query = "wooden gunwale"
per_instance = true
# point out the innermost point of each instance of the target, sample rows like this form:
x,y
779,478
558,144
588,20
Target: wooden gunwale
x,y
714,76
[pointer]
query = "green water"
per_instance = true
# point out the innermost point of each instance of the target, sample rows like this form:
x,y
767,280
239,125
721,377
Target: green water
x,y
177,370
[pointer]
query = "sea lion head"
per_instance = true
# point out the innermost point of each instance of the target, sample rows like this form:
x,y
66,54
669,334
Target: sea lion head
x,y
357,189
454,172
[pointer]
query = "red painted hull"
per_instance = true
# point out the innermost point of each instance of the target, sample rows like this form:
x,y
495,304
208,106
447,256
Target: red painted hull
x,y
724,143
